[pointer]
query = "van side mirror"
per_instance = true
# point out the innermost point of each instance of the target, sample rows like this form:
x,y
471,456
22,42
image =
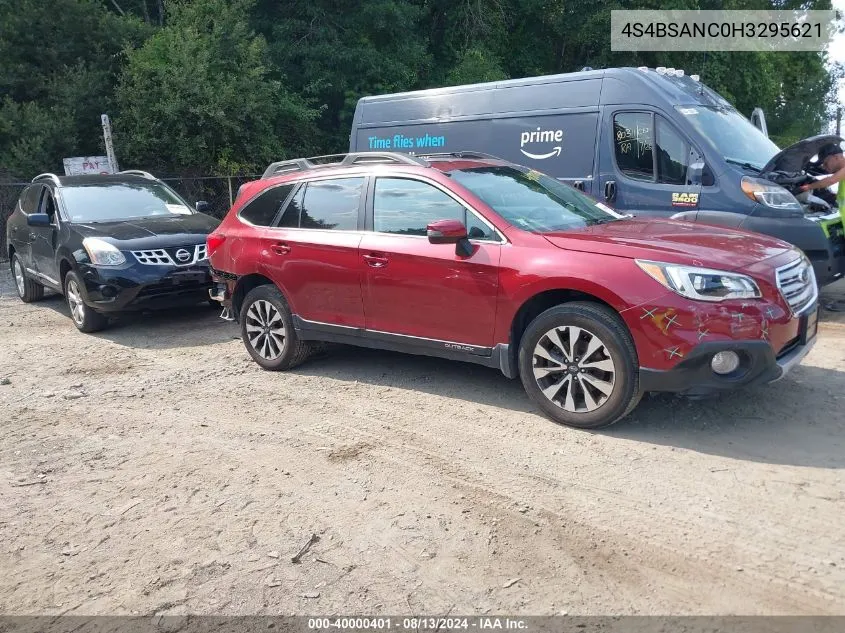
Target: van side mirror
x,y
202,206
38,219
446,232
695,173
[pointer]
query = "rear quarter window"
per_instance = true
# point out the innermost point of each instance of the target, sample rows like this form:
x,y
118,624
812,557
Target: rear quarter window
x,y
263,209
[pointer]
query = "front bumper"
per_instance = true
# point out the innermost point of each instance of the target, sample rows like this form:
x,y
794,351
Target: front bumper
x,y
759,365
144,287
825,250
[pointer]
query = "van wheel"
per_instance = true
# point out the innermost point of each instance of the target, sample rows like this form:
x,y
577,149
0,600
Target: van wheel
x,y
28,290
267,330
84,317
578,363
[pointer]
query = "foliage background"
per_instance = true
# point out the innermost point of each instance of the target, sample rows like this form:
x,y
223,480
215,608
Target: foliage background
x,y
225,86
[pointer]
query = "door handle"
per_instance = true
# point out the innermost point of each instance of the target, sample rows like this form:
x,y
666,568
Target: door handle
x,y
610,190
375,260
280,248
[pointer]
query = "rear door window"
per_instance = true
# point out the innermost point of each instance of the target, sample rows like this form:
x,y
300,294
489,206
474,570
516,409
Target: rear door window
x,y
332,204
633,138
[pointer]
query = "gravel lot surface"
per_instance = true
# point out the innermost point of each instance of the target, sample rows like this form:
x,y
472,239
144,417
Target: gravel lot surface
x,y
154,468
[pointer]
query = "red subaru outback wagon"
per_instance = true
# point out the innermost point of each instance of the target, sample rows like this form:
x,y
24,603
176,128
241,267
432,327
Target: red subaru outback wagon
x,y
473,258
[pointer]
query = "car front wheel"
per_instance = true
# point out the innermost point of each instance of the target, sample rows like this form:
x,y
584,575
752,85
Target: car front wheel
x,y
578,363
84,318
28,290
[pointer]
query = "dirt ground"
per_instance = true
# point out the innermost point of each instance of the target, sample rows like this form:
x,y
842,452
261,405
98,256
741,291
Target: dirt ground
x,y
154,468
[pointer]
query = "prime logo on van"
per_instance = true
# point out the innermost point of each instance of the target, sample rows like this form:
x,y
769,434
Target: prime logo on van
x,y
400,141
684,199
541,136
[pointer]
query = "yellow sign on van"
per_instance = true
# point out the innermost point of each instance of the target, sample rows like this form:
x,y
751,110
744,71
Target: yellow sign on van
x,y
684,199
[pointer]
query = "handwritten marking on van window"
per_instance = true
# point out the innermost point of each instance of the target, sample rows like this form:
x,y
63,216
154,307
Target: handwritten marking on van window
x,y
402,142
639,138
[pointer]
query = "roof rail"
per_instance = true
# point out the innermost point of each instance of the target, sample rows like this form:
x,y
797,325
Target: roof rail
x,y
460,155
341,160
47,176
137,172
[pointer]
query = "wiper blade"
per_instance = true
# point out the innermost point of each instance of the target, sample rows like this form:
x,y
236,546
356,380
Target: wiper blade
x,y
743,163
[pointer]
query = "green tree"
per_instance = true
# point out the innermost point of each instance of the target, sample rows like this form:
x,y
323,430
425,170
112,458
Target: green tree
x,y
199,96
59,62
336,51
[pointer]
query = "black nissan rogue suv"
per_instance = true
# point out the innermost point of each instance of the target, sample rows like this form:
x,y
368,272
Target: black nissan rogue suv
x,y
108,243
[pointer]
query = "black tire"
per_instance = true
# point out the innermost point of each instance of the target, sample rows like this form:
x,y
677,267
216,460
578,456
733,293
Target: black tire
x,y
578,385
85,318
28,290
277,348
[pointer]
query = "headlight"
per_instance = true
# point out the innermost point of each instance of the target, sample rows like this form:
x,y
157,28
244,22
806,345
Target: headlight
x,y
702,284
769,194
102,253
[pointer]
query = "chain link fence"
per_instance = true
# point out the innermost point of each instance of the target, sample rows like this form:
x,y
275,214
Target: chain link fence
x,y
218,191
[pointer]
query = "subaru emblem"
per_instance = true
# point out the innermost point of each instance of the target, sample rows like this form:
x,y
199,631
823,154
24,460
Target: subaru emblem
x,y
182,255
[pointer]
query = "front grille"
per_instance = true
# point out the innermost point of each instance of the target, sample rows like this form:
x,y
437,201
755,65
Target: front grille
x,y
797,284
174,256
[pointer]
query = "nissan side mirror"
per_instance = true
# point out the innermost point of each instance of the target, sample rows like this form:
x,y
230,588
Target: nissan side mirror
x,y
38,219
202,206
446,232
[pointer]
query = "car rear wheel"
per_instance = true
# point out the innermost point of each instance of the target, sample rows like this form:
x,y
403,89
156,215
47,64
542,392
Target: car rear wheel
x,y
28,290
267,330
578,363
84,318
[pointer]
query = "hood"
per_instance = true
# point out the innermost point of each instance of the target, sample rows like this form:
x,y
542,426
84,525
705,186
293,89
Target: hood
x,y
673,242
796,156
152,232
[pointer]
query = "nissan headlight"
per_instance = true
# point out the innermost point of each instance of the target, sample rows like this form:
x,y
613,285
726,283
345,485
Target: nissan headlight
x,y
702,284
769,194
102,253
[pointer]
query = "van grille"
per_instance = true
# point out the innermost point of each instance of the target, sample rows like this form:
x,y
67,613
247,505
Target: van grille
x,y
797,284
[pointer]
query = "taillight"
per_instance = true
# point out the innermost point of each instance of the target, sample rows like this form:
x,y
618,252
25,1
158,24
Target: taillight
x,y
213,242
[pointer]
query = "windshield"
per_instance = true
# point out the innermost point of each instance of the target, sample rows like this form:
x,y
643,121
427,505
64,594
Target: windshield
x,y
121,201
531,200
733,136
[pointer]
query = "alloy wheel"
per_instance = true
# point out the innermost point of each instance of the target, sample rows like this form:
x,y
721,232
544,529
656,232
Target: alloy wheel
x,y
74,300
20,280
573,369
265,329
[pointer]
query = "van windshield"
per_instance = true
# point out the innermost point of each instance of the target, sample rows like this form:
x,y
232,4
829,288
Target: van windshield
x,y
733,136
533,201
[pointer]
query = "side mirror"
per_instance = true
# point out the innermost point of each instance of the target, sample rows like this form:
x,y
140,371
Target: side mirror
x,y
38,219
695,173
202,206
446,232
